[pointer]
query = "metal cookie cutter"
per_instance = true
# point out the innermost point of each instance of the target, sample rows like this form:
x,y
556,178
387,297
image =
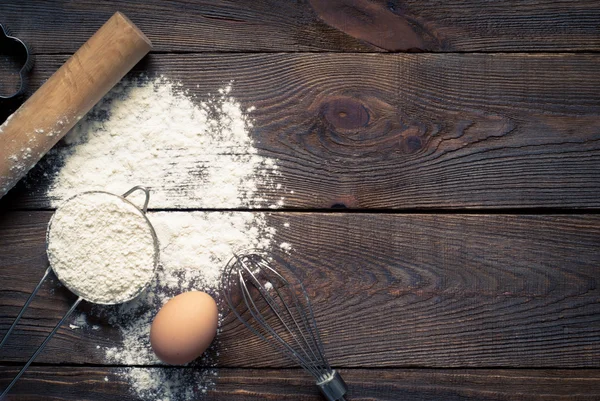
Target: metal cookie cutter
x,y
15,47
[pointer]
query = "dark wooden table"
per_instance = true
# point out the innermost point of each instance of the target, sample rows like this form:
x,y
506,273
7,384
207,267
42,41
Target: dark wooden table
x,y
445,163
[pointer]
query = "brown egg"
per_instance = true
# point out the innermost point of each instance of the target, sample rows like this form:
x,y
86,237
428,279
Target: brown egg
x,y
184,327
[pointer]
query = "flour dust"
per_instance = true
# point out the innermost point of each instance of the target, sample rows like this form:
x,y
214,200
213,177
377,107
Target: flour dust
x,y
190,153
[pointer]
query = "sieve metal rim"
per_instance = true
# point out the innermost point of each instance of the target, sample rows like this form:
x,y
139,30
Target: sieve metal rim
x,y
143,210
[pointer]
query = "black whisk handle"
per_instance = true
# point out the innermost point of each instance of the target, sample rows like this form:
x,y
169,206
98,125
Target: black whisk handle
x,y
333,387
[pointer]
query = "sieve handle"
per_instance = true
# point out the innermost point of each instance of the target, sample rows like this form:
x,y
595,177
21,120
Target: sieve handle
x,y
20,315
39,350
146,192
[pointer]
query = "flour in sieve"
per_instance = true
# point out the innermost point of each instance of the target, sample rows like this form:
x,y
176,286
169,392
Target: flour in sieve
x,y
101,247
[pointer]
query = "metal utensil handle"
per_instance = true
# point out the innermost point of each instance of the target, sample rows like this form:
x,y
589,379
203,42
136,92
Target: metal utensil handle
x,y
12,327
39,350
333,387
139,188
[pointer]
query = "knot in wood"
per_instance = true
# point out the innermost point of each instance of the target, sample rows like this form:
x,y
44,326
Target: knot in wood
x,y
345,113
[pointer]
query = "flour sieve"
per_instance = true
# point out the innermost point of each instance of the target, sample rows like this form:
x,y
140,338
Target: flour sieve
x,y
80,291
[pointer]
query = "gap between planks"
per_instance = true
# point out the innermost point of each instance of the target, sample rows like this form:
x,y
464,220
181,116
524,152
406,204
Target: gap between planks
x,y
550,211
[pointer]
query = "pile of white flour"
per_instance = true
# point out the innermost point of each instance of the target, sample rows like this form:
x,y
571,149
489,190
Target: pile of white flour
x,y
191,154
101,248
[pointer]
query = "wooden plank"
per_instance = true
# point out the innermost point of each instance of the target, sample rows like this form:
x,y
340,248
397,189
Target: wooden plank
x,y
405,130
388,291
317,25
105,383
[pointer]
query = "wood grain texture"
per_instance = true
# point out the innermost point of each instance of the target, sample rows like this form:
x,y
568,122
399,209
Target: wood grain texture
x,y
90,384
403,130
317,25
453,307
388,291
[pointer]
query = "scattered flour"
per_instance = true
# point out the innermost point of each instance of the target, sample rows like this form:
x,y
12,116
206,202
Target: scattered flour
x,y
199,244
195,247
81,320
101,248
152,133
184,384
190,154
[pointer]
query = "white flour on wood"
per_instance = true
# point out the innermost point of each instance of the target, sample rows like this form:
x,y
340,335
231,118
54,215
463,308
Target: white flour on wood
x,y
191,154
195,246
101,247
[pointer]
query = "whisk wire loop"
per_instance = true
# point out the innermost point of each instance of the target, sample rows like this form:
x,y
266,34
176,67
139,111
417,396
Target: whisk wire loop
x,y
277,309
306,362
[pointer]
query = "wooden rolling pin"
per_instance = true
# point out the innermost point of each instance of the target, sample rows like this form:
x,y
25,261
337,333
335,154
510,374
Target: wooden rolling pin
x,y
67,96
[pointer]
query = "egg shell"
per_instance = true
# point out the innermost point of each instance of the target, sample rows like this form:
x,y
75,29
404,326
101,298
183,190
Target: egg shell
x,y
184,327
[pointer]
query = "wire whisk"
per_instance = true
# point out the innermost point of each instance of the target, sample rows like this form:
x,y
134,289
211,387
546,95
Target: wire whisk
x,y
266,296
